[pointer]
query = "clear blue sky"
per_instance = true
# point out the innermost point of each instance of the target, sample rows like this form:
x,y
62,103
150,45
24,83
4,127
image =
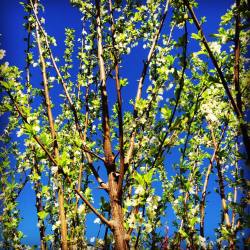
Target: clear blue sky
x,y
58,15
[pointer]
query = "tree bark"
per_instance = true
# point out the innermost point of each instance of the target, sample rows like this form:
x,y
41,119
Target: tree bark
x,y
117,227
121,241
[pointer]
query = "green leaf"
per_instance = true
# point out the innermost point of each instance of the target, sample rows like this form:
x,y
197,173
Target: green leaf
x,y
42,215
183,233
195,36
149,175
139,178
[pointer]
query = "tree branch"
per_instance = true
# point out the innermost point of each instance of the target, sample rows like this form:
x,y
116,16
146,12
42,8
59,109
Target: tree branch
x,y
101,217
59,168
243,126
73,109
119,101
209,169
109,158
141,81
215,63
179,91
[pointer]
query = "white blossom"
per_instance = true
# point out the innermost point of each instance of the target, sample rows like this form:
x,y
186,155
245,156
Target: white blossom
x,y
56,225
131,221
128,202
215,47
202,241
92,239
97,221
87,47
2,54
52,78
176,202
19,133
149,199
36,128
139,190
54,169
148,228
81,208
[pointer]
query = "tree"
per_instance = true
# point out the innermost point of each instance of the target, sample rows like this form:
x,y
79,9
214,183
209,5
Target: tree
x,y
72,131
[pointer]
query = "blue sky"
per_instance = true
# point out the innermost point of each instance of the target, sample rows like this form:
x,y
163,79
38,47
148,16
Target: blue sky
x,y
58,15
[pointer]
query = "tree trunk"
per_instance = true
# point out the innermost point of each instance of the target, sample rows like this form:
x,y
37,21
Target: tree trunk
x,y
120,236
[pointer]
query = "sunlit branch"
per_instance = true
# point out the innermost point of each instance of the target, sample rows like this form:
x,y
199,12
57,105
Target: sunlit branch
x,y
35,167
56,164
179,91
237,106
218,69
72,107
208,172
107,147
71,103
141,81
39,205
236,78
119,101
53,132
221,180
99,215
235,195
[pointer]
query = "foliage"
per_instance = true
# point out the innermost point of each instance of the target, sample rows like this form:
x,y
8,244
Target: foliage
x,y
156,158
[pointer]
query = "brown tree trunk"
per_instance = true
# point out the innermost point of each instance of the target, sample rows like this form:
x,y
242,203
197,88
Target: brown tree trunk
x,y
121,241
232,244
117,228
